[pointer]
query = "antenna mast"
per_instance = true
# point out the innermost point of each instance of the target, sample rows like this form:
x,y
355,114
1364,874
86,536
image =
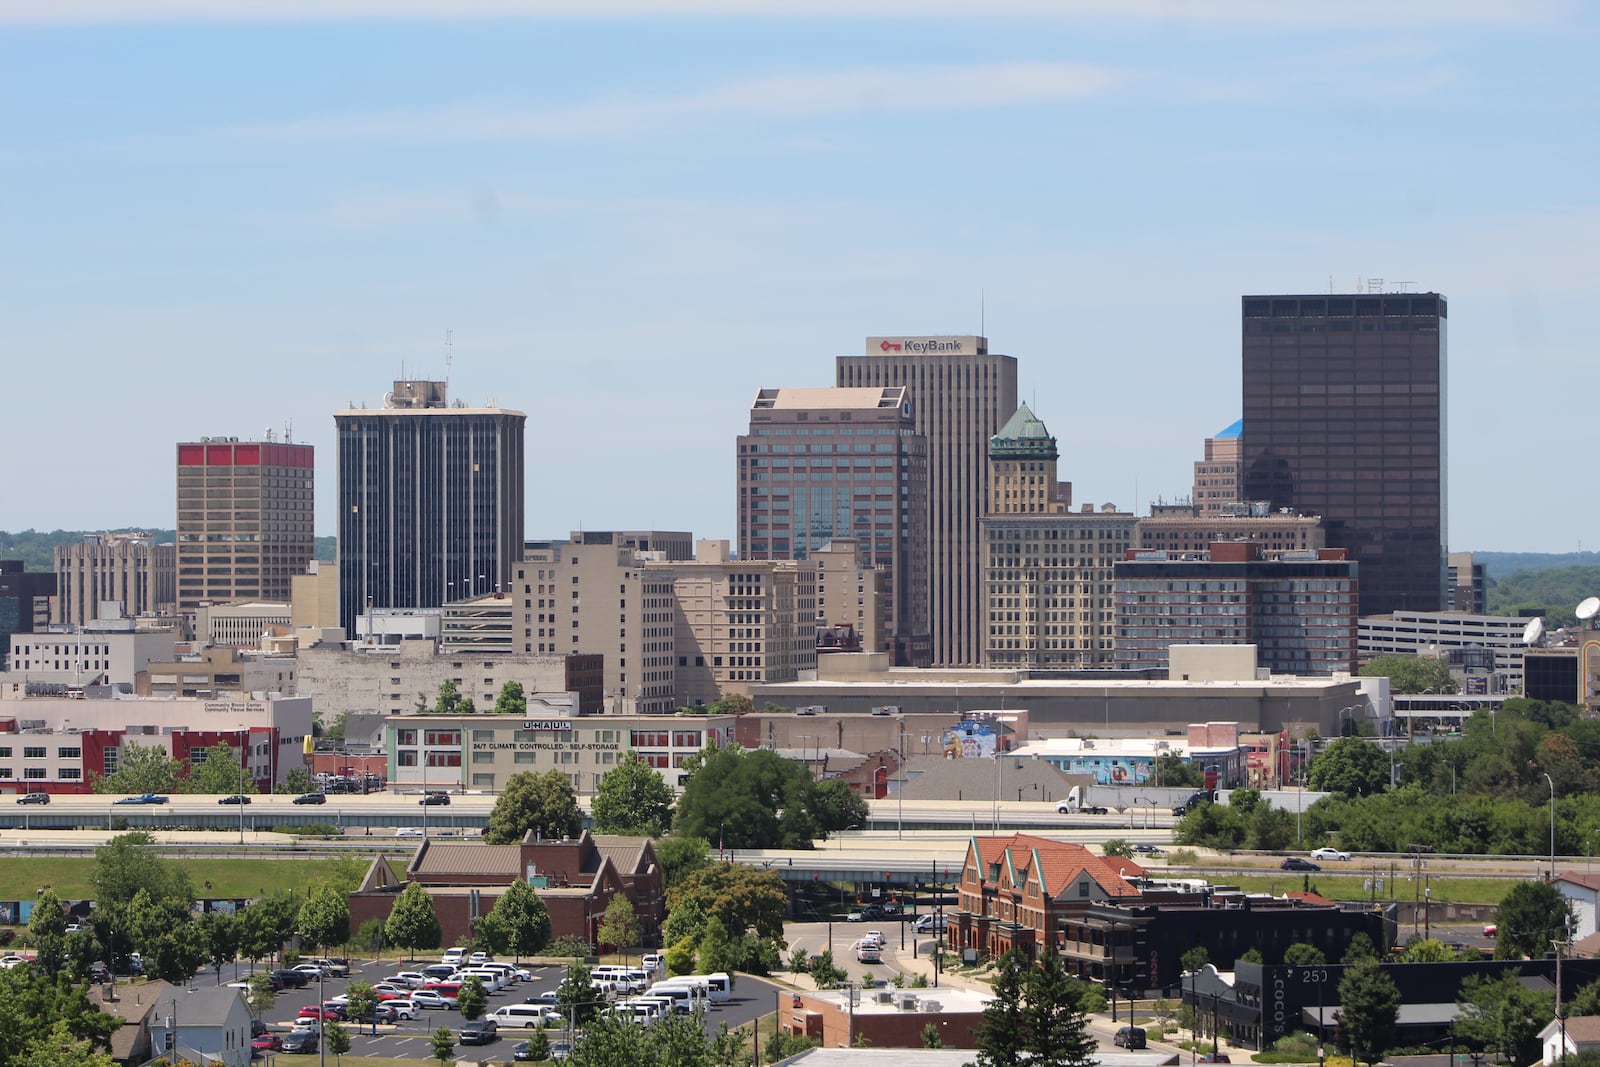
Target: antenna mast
x,y
447,347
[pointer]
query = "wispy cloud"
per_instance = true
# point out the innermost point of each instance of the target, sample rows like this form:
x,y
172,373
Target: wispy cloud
x,y
786,96
1254,13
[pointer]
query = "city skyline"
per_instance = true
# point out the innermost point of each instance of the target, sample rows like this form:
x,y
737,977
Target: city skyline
x,y
252,220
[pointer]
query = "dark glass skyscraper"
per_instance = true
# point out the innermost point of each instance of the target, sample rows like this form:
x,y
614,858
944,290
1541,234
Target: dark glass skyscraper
x,y
1344,417
430,501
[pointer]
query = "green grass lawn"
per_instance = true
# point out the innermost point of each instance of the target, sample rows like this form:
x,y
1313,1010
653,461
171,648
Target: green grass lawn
x,y
22,877
1349,887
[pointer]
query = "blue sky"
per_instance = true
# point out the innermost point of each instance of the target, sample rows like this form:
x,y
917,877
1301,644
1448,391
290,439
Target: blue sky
x,y
221,216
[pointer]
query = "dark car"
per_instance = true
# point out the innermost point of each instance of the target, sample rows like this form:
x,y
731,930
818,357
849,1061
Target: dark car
x,y
300,1041
1130,1037
98,973
522,1050
34,798
1150,850
291,979
481,1032
311,798
435,798
142,798
257,1028
1215,1057
1295,863
237,798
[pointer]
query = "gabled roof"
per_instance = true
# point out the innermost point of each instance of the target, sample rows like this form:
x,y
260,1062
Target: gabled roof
x,y
1057,864
475,859
630,855
1023,434
1590,882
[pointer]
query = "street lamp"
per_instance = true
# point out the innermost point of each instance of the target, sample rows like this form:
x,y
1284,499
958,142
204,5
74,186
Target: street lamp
x,y
1552,782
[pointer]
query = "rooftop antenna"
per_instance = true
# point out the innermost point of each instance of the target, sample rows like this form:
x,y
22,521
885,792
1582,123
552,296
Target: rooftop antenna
x,y
982,311
447,353
288,431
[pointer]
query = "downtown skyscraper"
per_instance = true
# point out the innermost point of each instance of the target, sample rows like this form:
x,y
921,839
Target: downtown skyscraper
x,y
1344,417
960,396
430,501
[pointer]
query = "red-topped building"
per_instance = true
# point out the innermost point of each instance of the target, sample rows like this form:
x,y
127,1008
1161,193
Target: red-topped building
x,y
245,519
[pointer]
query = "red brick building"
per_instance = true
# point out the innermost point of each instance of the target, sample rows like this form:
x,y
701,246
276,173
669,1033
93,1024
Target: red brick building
x,y
1019,892
575,878
883,1018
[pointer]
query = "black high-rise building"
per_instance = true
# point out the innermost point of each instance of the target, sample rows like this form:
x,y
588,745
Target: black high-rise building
x,y
1344,417
430,501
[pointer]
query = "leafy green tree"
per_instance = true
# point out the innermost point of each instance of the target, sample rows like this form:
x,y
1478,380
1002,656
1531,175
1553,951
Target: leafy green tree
x,y
1428,950
1360,948
296,780
717,950
1503,1014
363,1000
525,917
681,856
1216,826
449,700
33,1004
1531,916
930,1036
620,925
472,998
799,960
491,934
742,898
337,1038
1003,1038
261,995
219,933
538,1046
218,771
1412,674
511,701
825,972
1194,959
325,917
544,803
1055,1026
140,769
60,1048
570,945
266,924
1118,846
758,799
1301,954
369,937
442,1045
48,929
1172,769
614,1042
1253,955
412,923
1585,1002
575,996
1351,766
1369,1007
632,798
128,863
335,730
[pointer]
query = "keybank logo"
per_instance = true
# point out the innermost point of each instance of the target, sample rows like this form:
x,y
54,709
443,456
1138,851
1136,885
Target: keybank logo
x,y
921,346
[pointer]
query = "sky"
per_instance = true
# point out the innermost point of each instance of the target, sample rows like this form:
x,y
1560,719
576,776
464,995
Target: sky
x,y
627,216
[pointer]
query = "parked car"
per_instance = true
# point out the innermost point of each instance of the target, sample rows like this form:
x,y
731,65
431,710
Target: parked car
x,y
322,1011
291,979
857,916
236,798
1295,863
402,1008
1130,1037
408,979
98,973
547,997
1491,930
560,1050
300,1041
1215,1057
310,970
267,1043
479,958
1329,854
928,924
432,1000
522,1050
311,798
480,1032
34,798
435,798
257,1028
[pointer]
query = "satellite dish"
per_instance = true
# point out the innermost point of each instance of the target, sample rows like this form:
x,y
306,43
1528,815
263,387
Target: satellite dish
x,y
1588,607
1532,632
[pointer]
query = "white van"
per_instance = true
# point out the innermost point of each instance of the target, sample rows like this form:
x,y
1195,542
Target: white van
x,y
719,987
685,999
493,981
454,956
527,1016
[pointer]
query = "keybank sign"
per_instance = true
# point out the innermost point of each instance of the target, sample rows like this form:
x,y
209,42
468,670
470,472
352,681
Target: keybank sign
x,y
925,345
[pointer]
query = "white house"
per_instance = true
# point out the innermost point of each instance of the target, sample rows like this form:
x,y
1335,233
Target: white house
x,y
1582,1033
1583,893
211,1020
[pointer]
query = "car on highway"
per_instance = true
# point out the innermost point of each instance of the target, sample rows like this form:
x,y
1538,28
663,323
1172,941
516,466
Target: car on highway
x,y
142,798
235,798
300,1041
34,798
1070,807
1326,854
1295,863
311,798
1150,850
873,937
409,831
480,1032
435,798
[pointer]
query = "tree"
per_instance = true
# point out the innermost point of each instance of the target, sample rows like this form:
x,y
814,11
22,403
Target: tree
x,y
930,1036
59,1047
1352,766
491,934
1002,1035
1172,769
511,701
219,933
542,803
1119,847
363,1000
336,1037
1428,950
128,863
1055,1026
472,998
266,924
48,929
825,972
632,798
261,995
1301,954
1412,674
449,701
620,926
140,769
758,799
681,856
218,771
296,780
1503,1014
1360,948
442,1043
1194,959
1531,916
369,937
412,923
1369,1007
325,917
742,898
800,961
717,950
526,920
575,996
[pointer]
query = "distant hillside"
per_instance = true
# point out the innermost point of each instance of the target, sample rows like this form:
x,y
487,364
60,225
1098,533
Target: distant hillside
x,y
1505,564
1554,592
36,548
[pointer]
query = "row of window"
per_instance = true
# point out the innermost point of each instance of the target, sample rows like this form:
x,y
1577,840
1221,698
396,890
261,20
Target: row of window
x,y
64,774
39,752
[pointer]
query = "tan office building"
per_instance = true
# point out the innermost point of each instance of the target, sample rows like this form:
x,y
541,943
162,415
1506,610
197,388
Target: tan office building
x,y
593,593
1047,570
960,395
740,622
245,513
850,593
1181,528
126,569
1216,478
314,597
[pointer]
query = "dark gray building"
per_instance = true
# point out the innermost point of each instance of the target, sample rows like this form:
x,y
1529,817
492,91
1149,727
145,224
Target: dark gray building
x,y
24,601
430,501
1344,417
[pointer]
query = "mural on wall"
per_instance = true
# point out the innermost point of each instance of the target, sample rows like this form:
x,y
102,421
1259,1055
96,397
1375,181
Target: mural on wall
x,y
968,739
